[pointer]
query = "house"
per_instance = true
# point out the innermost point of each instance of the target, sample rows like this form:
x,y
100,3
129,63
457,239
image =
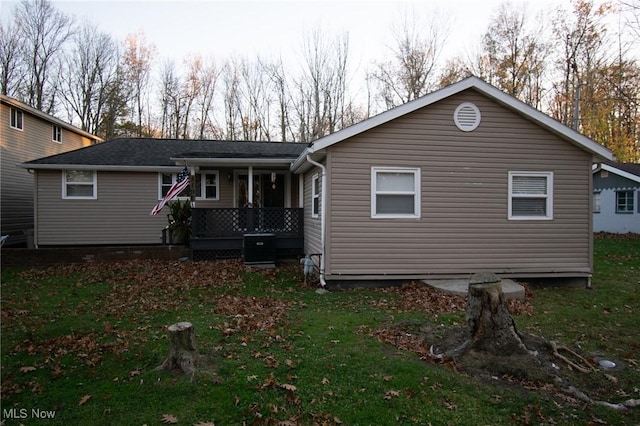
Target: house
x,y
616,198
462,180
103,194
26,134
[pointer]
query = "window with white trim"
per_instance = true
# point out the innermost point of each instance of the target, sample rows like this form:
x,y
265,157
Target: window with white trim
x,y
625,201
315,196
16,119
79,185
597,200
56,133
395,192
206,185
530,195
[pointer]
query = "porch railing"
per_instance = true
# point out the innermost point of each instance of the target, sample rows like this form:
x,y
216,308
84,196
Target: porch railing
x,y
235,222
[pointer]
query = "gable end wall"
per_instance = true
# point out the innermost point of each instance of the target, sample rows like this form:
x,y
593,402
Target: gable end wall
x,y
464,184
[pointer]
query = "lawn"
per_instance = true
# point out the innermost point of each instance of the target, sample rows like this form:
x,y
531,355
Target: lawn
x,y
81,343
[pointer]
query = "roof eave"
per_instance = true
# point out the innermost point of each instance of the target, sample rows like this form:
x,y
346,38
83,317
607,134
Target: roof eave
x,y
233,162
100,167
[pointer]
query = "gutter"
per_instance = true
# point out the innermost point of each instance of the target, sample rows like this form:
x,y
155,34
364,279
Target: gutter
x,y
323,217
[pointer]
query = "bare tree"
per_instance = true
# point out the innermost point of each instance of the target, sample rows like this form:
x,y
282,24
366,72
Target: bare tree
x,y
89,68
44,32
208,74
280,86
137,61
515,54
319,96
11,66
581,37
411,72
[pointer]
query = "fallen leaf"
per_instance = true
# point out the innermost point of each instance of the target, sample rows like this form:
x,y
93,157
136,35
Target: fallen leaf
x,y
84,399
27,369
391,394
611,378
204,424
289,363
325,381
387,378
169,419
288,387
337,420
134,373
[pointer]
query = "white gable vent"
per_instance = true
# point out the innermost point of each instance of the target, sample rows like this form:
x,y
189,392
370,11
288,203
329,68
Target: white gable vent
x,y
467,117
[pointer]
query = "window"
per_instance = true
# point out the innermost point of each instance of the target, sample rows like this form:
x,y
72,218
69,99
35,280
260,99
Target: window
x,y
205,183
56,135
597,198
16,119
530,195
395,192
315,196
79,184
624,201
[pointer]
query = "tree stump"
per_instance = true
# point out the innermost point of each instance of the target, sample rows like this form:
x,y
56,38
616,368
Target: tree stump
x,y
491,326
183,352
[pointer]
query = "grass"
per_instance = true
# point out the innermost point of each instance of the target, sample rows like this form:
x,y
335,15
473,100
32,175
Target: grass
x,y
83,342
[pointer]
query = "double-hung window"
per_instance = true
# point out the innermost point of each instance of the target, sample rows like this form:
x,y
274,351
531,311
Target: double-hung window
x,y
79,184
16,119
315,196
530,195
395,192
624,201
597,201
206,185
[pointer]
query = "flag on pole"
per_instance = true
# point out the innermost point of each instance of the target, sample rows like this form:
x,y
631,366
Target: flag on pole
x,y
182,181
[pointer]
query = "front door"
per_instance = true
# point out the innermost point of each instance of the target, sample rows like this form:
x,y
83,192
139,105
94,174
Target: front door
x,y
268,190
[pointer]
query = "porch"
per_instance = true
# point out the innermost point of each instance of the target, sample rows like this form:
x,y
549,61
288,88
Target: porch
x,y
218,233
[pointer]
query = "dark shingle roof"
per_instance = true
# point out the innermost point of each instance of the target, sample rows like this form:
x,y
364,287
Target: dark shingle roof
x,y
632,168
158,152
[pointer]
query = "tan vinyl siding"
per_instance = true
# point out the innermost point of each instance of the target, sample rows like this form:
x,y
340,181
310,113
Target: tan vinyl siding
x,y
119,215
464,194
18,146
312,226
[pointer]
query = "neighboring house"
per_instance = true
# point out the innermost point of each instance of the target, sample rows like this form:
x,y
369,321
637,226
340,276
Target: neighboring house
x,y
26,134
616,198
462,180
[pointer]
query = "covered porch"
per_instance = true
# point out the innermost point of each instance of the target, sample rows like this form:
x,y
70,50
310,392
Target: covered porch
x,y
245,196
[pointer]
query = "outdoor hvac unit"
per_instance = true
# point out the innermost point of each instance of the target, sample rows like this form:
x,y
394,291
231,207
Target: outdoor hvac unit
x,y
260,250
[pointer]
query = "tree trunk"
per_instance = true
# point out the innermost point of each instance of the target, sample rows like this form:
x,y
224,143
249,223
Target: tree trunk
x,y
491,326
183,352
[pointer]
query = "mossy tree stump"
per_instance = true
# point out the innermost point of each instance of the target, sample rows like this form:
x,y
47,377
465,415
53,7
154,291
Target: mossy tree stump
x,y
183,352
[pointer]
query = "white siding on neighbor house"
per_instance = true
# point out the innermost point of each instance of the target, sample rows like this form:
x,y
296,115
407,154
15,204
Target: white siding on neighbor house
x,y
607,220
464,224
18,146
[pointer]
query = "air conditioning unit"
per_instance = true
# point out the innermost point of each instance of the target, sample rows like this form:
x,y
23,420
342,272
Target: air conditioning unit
x,y
260,250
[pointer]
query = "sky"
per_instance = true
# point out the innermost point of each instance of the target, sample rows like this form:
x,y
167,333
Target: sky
x,y
273,29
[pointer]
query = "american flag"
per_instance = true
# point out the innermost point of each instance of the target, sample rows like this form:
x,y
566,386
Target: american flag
x,y
182,181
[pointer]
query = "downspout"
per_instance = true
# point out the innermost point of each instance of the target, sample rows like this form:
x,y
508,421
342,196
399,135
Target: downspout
x,y
323,217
